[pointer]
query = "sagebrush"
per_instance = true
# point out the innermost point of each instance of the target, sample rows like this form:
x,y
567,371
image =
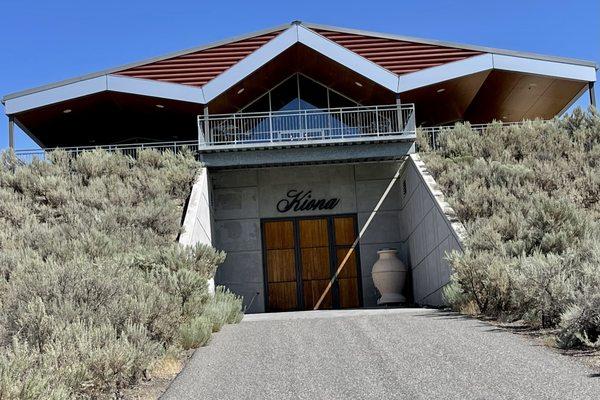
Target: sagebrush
x,y
529,196
94,287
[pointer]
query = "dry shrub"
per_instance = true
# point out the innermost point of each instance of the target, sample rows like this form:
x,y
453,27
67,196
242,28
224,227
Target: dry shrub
x,y
93,285
529,197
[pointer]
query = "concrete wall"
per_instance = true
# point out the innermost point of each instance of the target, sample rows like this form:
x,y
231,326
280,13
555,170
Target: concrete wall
x,y
416,221
430,230
241,198
197,223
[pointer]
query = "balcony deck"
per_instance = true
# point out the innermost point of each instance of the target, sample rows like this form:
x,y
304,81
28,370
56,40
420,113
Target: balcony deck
x,y
352,125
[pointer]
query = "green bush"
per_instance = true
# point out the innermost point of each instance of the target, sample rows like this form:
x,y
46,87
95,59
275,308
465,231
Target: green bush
x,y
529,198
225,308
93,284
195,332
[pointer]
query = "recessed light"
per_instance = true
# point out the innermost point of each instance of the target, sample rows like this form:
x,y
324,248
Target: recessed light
x,y
160,106
358,84
241,90
67,110
441,90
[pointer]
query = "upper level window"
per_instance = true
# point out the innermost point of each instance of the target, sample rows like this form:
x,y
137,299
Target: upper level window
x,y
299,92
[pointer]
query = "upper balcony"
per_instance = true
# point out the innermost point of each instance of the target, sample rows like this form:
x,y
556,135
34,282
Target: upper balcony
x,y
272,138
349,125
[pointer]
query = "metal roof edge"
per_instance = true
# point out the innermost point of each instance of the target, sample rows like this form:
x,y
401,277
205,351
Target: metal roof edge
x,y
484,49
138,63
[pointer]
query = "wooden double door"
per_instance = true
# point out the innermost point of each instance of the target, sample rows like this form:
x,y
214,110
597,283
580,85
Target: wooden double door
x,y
300,257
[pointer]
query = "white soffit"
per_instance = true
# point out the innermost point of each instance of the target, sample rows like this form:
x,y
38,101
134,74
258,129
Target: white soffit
x,y
55,95
484,62
152,88
546,68
121,84
441,73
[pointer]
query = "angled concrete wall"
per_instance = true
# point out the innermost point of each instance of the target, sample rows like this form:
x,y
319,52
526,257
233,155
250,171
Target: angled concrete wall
x,y
430,230
197,223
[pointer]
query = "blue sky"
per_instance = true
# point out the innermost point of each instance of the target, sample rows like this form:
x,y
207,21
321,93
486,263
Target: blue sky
x,y
43,42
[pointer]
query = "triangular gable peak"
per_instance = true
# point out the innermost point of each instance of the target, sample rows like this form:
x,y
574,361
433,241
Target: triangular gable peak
x,y
199,67
397,56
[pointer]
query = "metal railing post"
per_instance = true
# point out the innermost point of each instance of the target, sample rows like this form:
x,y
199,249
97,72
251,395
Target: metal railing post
x,y
305,126
377,119
270,126
234,130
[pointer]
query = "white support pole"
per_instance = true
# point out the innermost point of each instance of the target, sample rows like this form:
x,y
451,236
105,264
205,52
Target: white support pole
x,y
399,113
207,134
11,132
592,94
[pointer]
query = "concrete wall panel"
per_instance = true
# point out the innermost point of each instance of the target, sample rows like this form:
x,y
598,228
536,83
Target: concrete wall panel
x,y
430,230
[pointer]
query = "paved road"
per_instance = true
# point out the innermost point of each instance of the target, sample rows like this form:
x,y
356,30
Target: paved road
x,y
378,354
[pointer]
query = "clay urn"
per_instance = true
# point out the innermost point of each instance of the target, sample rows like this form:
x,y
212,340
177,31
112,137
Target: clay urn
x,y
389,276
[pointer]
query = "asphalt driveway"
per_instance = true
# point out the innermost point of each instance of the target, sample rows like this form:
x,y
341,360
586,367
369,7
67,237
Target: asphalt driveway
x,y
378,354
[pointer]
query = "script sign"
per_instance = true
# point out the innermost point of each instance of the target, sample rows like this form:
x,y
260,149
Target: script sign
x,y
300,200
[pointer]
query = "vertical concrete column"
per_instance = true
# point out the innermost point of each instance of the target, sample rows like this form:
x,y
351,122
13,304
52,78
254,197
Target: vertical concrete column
x,y
592,94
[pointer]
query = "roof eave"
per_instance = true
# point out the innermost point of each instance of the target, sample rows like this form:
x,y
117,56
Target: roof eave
x,y
482,49
138,63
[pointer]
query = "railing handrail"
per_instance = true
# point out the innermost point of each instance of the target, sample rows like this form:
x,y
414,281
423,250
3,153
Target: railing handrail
x,y
110,147
472,126
403,106
319,125
432,132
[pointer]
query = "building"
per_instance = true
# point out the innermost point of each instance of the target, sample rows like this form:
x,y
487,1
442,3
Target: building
x,y
308,135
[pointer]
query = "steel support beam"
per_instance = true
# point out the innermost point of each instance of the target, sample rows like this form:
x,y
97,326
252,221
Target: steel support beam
x,y
592,94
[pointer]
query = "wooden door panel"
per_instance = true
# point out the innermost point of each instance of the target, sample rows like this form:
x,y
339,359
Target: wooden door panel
x,y
280,257
348,290
348,285
313,232
281,265
312,291
350,269
283,296
315,263
279,235
345,231
299,257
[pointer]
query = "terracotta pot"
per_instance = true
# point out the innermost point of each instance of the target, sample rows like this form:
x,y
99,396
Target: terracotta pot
x,y
389,276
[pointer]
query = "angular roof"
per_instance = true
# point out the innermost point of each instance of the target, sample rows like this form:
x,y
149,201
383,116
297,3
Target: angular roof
x,y
396,62
198,67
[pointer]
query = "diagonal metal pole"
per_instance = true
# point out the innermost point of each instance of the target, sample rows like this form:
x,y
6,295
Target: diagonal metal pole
x,y
360,235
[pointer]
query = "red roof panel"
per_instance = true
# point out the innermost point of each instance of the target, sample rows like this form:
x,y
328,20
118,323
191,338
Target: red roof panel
x,y
199,67
398,56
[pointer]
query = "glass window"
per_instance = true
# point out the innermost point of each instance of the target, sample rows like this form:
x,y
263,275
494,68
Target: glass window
x,y
285,96
260,105
312,94
337,101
